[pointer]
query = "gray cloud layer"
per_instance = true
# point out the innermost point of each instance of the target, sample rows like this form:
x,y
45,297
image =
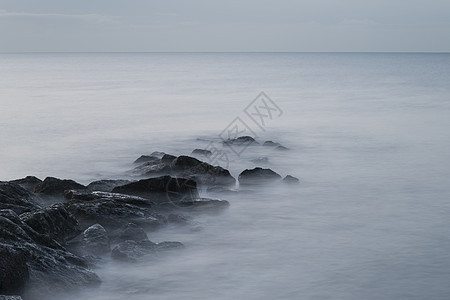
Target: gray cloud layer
x,y
211,25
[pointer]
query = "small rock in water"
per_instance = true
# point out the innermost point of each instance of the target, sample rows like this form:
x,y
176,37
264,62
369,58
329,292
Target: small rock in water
x,y
291,179
95,240
271,144
202,152
257,176
241,141
281,148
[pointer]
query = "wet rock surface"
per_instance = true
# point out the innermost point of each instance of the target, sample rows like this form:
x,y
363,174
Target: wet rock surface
x,y
28,183
258,176
105,185
55,187
16,198
95,240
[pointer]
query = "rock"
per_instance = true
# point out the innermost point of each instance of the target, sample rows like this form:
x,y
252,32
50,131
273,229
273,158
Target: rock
x,y
161,189
291,179
201,152
129,231
14,273
241,141
271,144
55,187
106,185
13,196
281,148
132,251
28,183
51,268
200,205
151,168
73,195
95,240
4,297
157,154
54,221
183,162
167,158
257,176
146,158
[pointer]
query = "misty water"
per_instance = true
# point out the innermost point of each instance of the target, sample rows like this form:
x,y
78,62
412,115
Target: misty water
x,y
368,136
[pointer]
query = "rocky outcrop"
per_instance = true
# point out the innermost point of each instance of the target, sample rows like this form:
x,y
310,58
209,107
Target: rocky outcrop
x,y
55,187
129,231
258,176
28,183
34,260
161,189
16,198
202,152
105,185
241,141
145,158
54,221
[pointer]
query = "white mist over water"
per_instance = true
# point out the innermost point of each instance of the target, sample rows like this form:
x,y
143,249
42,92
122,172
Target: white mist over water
x,y
369,140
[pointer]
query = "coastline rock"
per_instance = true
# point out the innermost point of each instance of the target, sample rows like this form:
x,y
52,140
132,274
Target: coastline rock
x,y
161,189
151,168
167,158
28,183
131,251
14,273
55,187
291,179
51,268
146,158
201,152
257,176
95,240
54,221
81,196
106,185
13,196
241,141
271,144
281,148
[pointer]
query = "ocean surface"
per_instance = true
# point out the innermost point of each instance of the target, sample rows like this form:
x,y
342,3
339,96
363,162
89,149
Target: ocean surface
x,y
368,136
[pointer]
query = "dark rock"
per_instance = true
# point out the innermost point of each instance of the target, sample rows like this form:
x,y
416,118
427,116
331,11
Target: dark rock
x,y
157,154
77,196
13,196
291,179
271,144
281,148
132,251
201,205
95,240
257,176
157,167
51,268
161,189
106,185
241,141
28,183
202,152
183,162
14,273
167,158
55,221
207,174
129,231
146,158
55,187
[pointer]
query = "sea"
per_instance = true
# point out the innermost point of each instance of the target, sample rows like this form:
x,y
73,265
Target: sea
x,y
368,136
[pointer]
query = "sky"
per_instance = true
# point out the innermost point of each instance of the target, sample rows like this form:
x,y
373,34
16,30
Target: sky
x,y
222,26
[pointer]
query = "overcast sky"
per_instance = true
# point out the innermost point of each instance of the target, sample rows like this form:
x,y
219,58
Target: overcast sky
x,y
226,25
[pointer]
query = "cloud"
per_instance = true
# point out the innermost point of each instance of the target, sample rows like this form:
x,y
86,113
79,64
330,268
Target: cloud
x,y
96,18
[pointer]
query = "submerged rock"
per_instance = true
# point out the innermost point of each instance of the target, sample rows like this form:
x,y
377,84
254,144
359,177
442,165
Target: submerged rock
x,y
28,183
200,205
37,262
257,176
129,231
95,240
13,196
281,148
106,185
131,251
241,141
201,152
55,187
291,179
54,221
271,144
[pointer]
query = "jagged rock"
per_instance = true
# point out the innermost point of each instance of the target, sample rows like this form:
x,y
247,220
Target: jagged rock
x,y
207,174
77,196
257,176
201,152
55,221
95,240
106,185
51,268
13,196
131,251
28,183
161,189
167,158
241,141
183,162
157,154
129,231
291,179
55,187
156,167
146,158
